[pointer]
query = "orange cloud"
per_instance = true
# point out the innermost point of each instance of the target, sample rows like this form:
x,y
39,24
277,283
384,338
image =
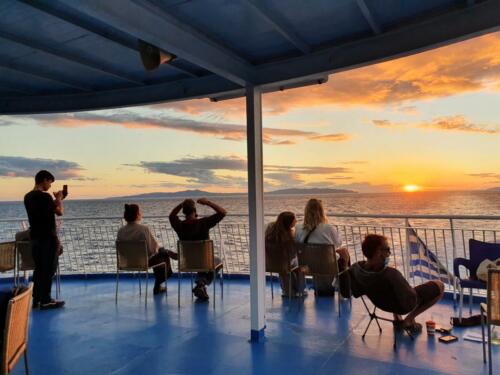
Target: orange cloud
x,y
132,119
464,67
456,123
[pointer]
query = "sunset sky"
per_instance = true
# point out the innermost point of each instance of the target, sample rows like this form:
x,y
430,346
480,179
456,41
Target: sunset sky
x,y
430,120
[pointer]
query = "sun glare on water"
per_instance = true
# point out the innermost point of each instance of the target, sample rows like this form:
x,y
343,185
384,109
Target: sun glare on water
x,y
411,188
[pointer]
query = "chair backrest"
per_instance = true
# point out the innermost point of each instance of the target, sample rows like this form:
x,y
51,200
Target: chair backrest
x,y
15,339
25,259
196,256
494,296
319,259
7,256
277,258
132,255
480,251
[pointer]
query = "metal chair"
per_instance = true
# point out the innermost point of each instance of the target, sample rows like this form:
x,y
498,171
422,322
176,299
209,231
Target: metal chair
x,y
15,338
492,311
26,263
319,260
198,256
8,257
373,316
478,251
278,261
133,256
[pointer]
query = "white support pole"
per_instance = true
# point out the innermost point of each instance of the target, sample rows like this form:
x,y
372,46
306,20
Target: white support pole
x,y
256,212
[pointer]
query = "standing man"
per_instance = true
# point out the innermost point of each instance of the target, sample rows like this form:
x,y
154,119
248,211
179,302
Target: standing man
x,y
194,229
45,245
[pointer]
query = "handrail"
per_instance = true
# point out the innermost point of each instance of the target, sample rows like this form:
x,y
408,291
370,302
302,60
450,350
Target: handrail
x,y
352,215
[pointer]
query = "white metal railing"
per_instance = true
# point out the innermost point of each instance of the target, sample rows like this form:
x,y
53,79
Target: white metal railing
x,y
89,243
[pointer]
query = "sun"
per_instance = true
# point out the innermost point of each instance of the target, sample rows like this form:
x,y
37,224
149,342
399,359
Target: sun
x,y
411,188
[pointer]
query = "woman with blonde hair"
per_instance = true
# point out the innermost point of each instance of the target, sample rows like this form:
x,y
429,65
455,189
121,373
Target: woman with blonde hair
x,y
280,237
316,230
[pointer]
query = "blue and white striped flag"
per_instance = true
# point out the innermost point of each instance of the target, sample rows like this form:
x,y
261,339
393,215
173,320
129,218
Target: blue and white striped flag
x,y
423,262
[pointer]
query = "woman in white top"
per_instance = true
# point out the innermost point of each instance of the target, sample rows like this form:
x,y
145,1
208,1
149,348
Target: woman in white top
x,y
316,230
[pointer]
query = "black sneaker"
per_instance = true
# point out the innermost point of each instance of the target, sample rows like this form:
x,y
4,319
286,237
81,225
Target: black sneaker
x,y
200,292
35,305
52,304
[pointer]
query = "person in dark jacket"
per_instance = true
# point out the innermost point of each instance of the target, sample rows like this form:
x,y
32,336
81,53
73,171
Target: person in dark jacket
x,y
386,287
196,229
41,209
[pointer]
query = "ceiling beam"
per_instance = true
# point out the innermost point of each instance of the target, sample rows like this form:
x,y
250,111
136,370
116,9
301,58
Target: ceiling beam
x,y
151,23
310,81
367,14
38,72
63,12
430,33
55,50
279,24
189,88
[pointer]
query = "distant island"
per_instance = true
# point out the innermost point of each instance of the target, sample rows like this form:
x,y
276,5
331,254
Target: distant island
x,y
200,193
494,189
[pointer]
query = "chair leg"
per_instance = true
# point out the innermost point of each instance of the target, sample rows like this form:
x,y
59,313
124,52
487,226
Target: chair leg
x,y
338,295
146,293
179,288
461,304
26,367
116,289
191,275
214,282
470,301
490,358
140,282
272,287
166,273
482,335
368,326
289,291
221,282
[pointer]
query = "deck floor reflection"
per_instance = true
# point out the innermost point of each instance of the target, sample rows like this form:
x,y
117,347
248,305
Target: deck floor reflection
x,y
92,335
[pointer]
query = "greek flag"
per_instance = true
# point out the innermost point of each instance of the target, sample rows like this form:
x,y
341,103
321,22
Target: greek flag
x,y
423,262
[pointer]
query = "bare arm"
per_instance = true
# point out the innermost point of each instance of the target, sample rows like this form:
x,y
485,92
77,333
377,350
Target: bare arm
x,y
213,205
175,211
58,205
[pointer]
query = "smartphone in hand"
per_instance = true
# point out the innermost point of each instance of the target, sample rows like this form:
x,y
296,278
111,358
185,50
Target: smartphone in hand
x,y
65,191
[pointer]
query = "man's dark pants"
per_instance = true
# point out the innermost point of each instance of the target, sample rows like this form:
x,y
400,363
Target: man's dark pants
x,y
45,258
159,271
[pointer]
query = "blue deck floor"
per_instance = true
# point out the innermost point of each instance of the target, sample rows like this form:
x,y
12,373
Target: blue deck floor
x,y
93,336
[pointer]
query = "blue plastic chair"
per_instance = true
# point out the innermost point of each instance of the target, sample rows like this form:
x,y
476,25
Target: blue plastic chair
x,y
478,252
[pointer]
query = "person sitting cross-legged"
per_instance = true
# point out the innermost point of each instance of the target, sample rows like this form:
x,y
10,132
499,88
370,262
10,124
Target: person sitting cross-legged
x,y
194,229
135,231
387,288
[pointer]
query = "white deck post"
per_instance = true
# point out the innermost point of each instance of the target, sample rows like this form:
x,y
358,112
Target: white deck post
x,y
256,212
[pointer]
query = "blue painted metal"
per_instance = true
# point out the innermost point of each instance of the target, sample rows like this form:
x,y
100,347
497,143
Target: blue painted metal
x,y
37,44
275,19
190,88
368,16
93,336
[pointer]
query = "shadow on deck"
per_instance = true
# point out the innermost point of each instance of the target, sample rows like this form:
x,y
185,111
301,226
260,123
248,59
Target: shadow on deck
x,y
92,335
